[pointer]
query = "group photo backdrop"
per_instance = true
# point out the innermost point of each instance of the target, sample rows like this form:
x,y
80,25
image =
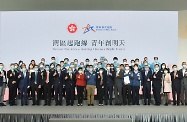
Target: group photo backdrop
x,y
27,35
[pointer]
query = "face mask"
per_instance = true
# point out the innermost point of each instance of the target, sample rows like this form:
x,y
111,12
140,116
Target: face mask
x,y
80,72
165,72
145,64
52,66
23,69
105,62
95,62
174,69
12,67
58,69
126,68
71,66
118,69
132,64
124,62
62,65
16,67
135,68
1,67
87,63
70,72
66,61
81,66
41,66
136,62
163,67
43,61
75,63
156,61
67,67
99,66
88,69
91,69
146,69
157,68
53,61
184,66
108,68
115,61
47,69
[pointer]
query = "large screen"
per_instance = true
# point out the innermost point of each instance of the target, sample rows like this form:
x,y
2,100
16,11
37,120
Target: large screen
x,y
26,35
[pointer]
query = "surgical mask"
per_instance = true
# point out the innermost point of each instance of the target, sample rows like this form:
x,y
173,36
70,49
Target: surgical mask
x,y
137,63
16,67
156,61
124,62
1,67
135,68
184,66
115,61
157,68
36,69
88,69
126,68
69,71
43,61
165,72
105,62
163,66
53,61
67,67
91,69
41,66
80,72
118,69
81,66
12,67
99,66
145,64
52,66
146,69
95,62
58,69
66,61
75,63
87,63
47,69
175,69
62,65
71,66
23,69
132,64
108,68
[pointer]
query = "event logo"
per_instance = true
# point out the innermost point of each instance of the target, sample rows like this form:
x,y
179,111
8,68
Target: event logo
x,y
72,28
88,28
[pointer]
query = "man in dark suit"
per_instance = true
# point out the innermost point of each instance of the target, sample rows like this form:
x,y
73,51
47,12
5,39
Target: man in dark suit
x,y
23,85
146,84
69,86
2,84
157,84
184,83
110,75
176,84
58,85
13,77
35,85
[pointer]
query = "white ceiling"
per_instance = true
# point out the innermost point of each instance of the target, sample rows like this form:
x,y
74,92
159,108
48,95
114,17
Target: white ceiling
x,y
134,5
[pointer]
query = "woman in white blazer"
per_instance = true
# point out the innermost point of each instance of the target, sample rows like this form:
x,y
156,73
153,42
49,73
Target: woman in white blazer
x,y
166,79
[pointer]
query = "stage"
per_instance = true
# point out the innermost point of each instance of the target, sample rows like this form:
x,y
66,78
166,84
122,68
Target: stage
x,y
136,113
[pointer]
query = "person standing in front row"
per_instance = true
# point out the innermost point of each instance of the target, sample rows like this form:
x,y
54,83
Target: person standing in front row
x,y
3,82
136,77
157,84
166,78
90,85
80,83
184,84
13,77
118,85
146,83
24,84
176,84
58,85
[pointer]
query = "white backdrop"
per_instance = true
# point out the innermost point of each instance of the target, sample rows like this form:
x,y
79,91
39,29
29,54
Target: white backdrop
x,y
30,35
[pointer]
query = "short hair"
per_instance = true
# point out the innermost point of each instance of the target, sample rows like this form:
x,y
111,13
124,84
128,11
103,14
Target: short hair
x,y
52,57
115,58
136,65
174,65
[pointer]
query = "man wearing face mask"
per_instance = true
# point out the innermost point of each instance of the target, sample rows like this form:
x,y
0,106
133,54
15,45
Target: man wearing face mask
x,y
66,63
184,83
127,84
115,59
76,64
146,84
24,84
70,87
35,85
95,63
13,77
118,85
110,75
87,62
155,62
105,62
145,62
3,81
53,61
176,84
157,84
90,85
58,84
132,65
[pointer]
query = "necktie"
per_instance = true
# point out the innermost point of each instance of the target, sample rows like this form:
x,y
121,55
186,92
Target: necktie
x,y
47,77
146,72
174,74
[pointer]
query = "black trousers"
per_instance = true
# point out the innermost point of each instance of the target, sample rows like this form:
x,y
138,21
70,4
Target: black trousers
x,y
100,94
108,94
70,95
12,90
35,90
58,94
47,93
29,91
157,96
147,93
135,94
127,94
80,90
176,91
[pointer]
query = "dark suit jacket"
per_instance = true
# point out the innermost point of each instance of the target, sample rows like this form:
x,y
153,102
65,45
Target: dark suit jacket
x,y
12,78
1,78
110,78
59,80
99,82
177,80
157,82
32,79
69,82
24,81
144,77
